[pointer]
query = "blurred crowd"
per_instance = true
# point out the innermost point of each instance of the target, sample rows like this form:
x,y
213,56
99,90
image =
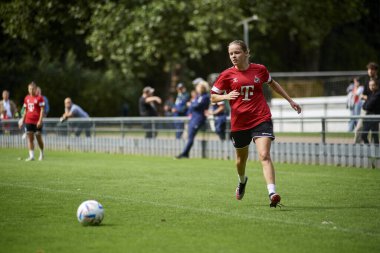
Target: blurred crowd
x,y
186,104
363,98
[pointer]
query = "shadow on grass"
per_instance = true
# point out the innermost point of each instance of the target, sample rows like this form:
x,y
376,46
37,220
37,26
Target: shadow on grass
x,y
101,225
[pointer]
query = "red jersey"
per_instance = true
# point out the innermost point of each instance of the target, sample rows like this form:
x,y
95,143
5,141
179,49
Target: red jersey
x,y
250,108
33,105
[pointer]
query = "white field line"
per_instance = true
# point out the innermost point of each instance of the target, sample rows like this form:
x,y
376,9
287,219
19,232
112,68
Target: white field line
x,y
198,210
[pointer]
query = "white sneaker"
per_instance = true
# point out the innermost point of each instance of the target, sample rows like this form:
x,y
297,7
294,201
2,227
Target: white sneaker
x,y
29,159
41,157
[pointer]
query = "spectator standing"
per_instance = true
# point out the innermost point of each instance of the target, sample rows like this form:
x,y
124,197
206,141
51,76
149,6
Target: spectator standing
x,y
218,112
197,109
354,102
75,111
148,108
372,69
168,106
47,106
8,110
198,80
372,106
180,109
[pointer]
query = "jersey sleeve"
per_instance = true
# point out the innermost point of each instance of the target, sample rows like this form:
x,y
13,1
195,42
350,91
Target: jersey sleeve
x,y
221,84
267,77
41,101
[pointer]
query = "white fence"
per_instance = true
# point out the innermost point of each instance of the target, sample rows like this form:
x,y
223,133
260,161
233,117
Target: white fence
x,y
126,136
312,108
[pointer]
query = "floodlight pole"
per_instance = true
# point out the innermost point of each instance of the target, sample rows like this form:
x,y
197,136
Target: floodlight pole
x,y
245,23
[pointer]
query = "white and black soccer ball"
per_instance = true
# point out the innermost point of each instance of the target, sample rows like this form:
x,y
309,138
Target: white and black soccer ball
x,y
90,212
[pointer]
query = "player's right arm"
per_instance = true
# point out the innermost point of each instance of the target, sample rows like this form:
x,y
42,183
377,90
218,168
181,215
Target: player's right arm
x,y
219,89
215,98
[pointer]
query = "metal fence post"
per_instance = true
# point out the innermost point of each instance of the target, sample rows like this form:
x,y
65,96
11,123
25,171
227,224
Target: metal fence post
x,y
204,148
122,129
323,120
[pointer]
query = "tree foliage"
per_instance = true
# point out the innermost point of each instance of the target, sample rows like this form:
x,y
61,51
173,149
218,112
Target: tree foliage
x,y
120,45
159,33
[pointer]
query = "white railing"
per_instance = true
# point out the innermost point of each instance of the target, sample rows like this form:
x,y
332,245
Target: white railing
x,y
313,140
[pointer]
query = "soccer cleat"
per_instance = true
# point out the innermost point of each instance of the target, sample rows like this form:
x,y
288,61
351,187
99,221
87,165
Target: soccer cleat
x,y
274,200
29,159
41,157
240,189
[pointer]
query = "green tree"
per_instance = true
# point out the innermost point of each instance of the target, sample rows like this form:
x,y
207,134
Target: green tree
x,y
302,26
139,35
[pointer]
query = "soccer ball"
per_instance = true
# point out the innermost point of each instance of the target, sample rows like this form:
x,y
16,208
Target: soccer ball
x,y
90,212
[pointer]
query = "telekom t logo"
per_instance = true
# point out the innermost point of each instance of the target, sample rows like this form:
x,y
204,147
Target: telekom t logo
x,y
247,91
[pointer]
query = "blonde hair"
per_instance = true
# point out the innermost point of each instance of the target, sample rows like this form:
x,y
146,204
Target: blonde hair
x,y
204,86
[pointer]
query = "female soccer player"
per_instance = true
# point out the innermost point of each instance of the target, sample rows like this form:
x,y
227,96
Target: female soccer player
x,y
242,85
34,110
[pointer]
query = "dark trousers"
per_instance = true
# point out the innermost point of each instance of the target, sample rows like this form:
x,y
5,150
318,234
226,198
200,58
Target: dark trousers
x,y
179,126
193,130
149,133
372,126
83,126
220,128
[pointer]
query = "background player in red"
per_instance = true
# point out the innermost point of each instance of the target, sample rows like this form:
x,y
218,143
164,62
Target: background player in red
x,y
242,85
34,111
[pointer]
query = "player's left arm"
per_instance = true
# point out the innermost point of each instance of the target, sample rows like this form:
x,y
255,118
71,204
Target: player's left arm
x,y
278,89
42,111
39,123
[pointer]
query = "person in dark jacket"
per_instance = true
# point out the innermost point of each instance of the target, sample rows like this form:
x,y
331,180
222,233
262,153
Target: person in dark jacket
x,y
218,113
372,106
180,109
148,108
197,110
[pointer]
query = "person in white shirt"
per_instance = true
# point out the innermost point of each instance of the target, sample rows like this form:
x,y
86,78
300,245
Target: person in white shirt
x,y
8,108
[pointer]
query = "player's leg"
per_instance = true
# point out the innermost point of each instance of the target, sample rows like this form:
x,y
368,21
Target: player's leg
x,y
40,143
241,161
30,135
241,141
263,145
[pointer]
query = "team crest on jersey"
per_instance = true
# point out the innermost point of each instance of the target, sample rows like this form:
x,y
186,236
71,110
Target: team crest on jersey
x,y
257,80
235,80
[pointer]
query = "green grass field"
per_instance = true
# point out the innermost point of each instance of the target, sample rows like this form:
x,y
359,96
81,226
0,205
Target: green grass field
x,y
157,204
